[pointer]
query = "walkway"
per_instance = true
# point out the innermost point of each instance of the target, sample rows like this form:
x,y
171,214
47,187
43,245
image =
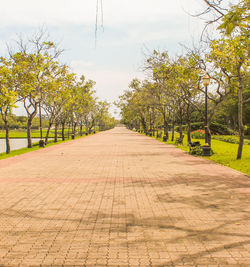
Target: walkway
x,y
118,198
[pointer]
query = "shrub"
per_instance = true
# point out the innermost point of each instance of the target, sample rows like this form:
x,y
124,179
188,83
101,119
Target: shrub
x,y
230,139
247,131
217,128
196,151
197,125
177,128
198,134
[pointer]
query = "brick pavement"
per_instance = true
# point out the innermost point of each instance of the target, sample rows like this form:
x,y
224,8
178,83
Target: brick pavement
x,y
118,198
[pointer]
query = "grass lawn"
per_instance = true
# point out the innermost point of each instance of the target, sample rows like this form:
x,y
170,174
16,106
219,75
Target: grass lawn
x,y
224,153
19,151
20,134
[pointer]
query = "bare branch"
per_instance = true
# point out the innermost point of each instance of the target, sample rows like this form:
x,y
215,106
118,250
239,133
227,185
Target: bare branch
x,y
213,6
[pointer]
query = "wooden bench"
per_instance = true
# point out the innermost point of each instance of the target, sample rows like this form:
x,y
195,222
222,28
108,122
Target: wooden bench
x,y
193,145
159,135
179,141
165,138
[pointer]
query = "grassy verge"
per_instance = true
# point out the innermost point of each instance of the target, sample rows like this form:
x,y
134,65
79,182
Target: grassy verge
x,y
224,153
19,134
34,147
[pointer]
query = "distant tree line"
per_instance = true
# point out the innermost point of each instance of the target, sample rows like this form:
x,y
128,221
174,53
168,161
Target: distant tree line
x,y
20,122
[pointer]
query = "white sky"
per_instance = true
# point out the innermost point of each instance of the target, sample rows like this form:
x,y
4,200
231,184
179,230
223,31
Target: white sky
x,y
131,26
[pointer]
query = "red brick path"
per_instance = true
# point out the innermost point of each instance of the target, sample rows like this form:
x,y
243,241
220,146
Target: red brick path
x,y
121,199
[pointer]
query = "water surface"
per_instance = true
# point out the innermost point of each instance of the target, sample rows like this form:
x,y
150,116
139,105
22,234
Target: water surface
x,y
16,143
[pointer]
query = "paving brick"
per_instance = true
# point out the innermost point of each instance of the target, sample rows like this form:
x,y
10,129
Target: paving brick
x,y
118,198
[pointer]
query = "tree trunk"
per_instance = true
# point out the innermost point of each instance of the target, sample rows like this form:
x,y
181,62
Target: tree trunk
x,y
240,122
69,129
29,132
189,131
165,126
31,116
81,129
234,118
74,128
87,126
7,138
144,125
180,127
63,127
173,125
47,134
55,137
188,124
181,123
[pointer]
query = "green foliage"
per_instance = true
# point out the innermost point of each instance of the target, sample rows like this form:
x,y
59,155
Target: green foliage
x,y
8,93
217,128
20,122
237,19
247,131
197,125
173,92
34,77
197,150
230,139
198,134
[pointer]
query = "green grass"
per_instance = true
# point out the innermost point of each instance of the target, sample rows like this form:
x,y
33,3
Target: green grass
x,y
23,134
224,153
19,152
20,134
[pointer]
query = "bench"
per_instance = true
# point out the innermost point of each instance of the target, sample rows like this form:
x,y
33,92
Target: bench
x,y
193,145
159,135
165,138
179,141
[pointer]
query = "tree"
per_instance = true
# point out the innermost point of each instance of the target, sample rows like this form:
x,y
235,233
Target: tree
x,y
55,98
102,115
231,52
230,16
231,55
35,63
84,103
134,106
8,94
162,88
186,79
236,19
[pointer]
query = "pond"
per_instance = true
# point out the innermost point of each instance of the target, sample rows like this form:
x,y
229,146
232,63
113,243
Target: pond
x,y
16,143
